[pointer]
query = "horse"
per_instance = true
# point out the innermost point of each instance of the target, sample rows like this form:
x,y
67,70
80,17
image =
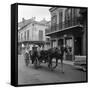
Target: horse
x,y
58,54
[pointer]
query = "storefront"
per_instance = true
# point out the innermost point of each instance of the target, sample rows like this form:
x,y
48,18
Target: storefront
x,y
72,38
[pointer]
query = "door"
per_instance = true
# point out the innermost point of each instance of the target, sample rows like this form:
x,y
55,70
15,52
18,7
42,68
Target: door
x,y
78,46
69,43
60,42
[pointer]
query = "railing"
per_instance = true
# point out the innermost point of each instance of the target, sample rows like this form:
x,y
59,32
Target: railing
x,y
63,25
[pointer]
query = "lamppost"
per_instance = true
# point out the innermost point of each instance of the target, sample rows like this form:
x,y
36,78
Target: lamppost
x,y
64,45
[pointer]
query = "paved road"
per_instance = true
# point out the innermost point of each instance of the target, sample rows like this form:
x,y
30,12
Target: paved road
x,y
30,75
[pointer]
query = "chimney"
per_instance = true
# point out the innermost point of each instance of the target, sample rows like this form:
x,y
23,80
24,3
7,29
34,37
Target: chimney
x,y
33,18
23,21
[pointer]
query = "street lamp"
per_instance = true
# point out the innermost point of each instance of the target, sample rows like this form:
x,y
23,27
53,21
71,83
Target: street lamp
x,y
65,39
22,45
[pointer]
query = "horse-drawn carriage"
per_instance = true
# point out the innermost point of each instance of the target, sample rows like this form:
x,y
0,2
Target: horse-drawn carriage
x,y
45,56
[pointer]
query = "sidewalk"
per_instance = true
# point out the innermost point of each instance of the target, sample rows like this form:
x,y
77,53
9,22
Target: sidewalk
x,y
68,62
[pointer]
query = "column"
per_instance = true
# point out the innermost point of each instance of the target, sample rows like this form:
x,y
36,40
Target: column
x,y
73,56
64,44
56,42
50,43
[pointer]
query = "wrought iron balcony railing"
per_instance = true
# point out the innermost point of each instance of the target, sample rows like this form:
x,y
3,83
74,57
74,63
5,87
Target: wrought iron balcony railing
x,y
63,25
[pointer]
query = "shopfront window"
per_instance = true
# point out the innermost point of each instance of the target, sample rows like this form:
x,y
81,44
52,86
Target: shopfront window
x,y
54,43
69,44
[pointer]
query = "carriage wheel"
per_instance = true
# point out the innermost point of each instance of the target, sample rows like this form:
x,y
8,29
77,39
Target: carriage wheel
x,y
53,65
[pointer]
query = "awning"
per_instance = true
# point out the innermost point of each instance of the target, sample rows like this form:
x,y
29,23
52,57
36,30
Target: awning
x,y
69,30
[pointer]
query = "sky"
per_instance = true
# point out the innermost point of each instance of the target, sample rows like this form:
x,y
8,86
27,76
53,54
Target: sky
x,y
39,12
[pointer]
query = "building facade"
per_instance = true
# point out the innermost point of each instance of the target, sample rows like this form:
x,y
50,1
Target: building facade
x,y
32,32
67,29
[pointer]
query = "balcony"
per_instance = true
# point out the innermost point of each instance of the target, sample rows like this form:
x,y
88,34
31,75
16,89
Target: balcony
x,y
63,25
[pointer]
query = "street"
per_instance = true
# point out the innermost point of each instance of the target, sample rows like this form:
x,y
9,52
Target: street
x,y
30,75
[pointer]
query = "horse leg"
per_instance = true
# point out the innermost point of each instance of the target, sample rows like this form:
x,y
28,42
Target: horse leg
x,y
50,63
56,63
39,61
45,60
32,60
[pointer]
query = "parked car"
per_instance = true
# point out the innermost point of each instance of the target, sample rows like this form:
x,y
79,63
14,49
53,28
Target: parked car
x,y
80,62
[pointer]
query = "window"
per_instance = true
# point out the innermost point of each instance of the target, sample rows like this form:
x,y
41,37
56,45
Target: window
x,y
21,36
27,34
40,35
68,17
69,43
54,43
53,22
74,16
68,14
60,19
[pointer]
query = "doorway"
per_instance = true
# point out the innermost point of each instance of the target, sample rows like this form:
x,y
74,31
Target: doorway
x,y
60,42
78,46
69,44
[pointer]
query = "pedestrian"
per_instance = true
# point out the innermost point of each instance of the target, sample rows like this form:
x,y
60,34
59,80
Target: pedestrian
x,y
26,56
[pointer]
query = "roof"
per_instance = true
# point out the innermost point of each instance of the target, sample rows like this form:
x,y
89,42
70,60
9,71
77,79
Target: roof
x,y
25,23
52,9
20,24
